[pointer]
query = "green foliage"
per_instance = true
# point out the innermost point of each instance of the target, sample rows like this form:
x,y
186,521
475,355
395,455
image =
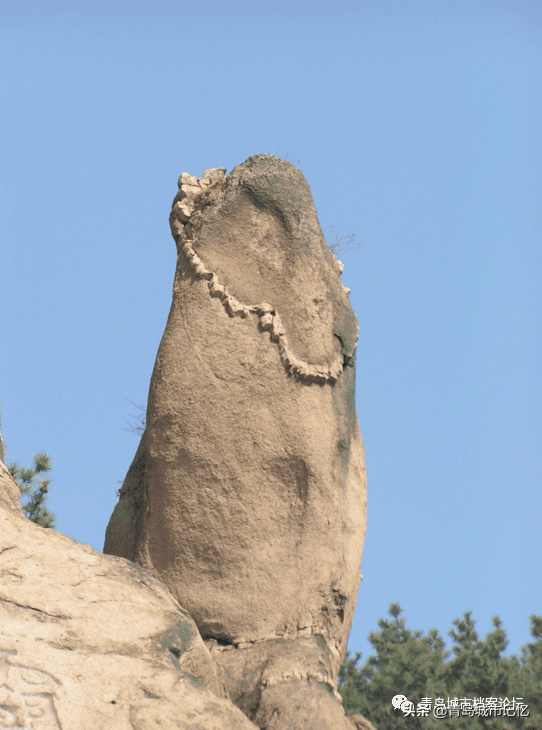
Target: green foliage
x,y
411,664
35,489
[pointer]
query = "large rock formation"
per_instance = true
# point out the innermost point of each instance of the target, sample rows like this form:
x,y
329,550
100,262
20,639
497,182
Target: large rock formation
x,y
93,642
247,494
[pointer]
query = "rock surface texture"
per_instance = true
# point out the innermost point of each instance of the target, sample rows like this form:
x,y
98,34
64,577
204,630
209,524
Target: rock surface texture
x,y
93,642
247,495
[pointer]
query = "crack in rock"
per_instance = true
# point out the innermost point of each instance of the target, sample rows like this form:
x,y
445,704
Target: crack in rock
x,y
32,608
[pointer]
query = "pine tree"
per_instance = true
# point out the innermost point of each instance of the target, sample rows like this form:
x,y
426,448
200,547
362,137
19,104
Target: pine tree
x,y
475,670
413,665
30,485
526,675
405,663
35,489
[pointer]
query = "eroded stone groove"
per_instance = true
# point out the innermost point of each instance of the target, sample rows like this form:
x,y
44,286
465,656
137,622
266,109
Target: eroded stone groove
x,y
190,189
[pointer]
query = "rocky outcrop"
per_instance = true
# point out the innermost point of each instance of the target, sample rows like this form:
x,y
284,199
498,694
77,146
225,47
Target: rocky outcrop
x,y
246,497
93,642
245,500
10,493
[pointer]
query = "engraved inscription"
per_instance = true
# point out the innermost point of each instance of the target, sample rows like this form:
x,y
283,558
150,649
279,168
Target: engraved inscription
x,y
26,696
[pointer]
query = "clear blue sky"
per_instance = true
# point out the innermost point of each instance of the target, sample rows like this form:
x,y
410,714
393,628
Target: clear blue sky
x,y
418,127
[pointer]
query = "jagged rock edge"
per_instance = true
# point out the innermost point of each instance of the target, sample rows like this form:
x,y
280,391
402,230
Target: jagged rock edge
x,y
269,320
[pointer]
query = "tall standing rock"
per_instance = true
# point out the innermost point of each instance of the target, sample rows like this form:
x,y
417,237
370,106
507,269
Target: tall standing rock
x,y
247,496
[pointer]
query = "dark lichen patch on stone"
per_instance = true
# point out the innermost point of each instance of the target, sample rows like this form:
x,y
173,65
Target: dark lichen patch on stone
x,y
275,185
